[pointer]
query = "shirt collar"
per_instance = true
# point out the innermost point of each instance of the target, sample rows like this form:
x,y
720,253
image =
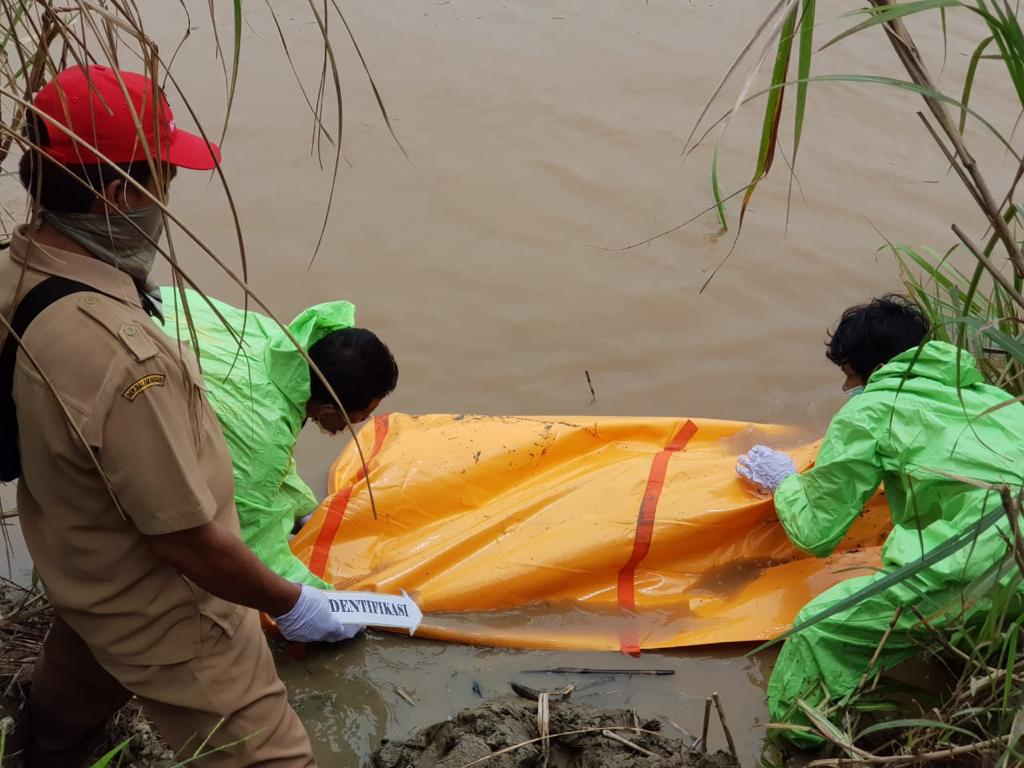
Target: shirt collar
x,y
73,266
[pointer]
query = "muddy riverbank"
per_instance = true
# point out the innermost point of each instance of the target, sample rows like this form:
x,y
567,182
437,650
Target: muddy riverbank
x,y
351,696
387,688
503,734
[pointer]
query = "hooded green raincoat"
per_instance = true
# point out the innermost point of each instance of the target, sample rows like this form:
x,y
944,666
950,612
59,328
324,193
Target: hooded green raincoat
x,y
260,398
914,421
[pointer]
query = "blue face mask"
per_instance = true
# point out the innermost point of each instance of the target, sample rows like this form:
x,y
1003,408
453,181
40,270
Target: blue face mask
x,y
852,391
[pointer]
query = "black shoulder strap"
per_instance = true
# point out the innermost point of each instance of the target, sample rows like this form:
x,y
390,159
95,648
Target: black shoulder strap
x,y
34,302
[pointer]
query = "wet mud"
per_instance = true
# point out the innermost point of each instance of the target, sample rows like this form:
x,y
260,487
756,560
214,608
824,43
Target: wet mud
x,y
382,687
503,733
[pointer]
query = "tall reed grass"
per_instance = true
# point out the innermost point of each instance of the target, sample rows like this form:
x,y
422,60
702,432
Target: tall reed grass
x,y
980,720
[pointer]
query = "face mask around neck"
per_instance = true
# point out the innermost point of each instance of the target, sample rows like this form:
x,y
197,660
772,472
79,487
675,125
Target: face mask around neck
x,y
854,391
115,238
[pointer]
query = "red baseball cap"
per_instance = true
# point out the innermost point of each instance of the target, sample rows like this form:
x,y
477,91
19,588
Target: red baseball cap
x,y
89,101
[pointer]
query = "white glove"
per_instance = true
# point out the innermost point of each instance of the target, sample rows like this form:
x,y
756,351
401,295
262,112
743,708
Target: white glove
x,y
765,467
311,620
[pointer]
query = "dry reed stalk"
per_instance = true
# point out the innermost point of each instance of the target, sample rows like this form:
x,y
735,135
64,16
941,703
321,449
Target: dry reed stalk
x,y
946,645
922,757
878,649
627,743
1005,283
544,727
906,50
544,718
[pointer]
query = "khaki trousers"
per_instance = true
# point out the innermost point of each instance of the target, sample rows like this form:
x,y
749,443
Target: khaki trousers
x,y
230,690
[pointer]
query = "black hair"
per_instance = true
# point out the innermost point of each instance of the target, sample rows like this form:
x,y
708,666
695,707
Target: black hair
x,y
872,334
358,365
68,188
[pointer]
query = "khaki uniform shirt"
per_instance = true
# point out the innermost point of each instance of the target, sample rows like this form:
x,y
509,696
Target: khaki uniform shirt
x,y
136,398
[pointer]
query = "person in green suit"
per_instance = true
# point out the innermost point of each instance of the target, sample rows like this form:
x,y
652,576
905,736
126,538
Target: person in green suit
x,y
919,416
264,392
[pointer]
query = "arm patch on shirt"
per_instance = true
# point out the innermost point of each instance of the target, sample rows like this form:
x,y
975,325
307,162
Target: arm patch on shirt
x,y
140,386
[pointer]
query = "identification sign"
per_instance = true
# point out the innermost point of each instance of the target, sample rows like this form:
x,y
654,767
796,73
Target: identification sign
x,y
376,610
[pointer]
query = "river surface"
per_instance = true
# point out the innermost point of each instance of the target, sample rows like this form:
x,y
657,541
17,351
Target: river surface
x,y
542,138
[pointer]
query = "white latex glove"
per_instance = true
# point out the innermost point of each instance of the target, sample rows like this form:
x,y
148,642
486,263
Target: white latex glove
x,y
765,467
311,620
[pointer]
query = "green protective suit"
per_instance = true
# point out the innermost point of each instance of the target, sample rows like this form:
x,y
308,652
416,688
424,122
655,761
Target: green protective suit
x,y
936,421
259,396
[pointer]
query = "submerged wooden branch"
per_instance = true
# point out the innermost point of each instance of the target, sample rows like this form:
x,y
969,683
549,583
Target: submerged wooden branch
x,y
598,671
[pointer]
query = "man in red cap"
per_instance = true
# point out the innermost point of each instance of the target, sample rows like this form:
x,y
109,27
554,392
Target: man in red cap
x,y
125,493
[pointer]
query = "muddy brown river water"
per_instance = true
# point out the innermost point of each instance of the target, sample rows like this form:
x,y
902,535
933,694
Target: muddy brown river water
x,y
541,135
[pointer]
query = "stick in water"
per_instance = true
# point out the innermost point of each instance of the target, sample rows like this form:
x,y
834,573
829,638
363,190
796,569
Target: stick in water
x,y
404,695
725,727
707,722
594,671
628,743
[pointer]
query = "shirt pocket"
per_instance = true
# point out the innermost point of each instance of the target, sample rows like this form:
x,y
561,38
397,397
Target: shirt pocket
x,y
224,614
